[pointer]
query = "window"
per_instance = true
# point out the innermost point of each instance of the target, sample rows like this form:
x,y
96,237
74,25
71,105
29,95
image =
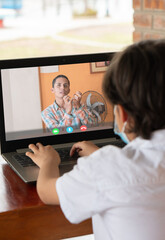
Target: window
x,y
63,27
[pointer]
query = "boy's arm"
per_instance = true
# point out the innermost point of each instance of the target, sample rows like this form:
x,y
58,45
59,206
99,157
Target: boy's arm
x,y
48,161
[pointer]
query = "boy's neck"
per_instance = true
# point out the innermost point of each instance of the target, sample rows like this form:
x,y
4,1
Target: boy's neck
x,y
131,136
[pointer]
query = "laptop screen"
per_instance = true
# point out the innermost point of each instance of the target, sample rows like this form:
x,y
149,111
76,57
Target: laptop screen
x,y
71,107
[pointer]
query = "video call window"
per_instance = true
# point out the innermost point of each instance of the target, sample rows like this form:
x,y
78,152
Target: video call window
x,y
28,92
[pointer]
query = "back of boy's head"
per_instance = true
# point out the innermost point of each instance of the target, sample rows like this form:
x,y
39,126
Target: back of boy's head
x,y
136,80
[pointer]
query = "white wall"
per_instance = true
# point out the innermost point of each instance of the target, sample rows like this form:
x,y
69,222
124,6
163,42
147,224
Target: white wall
x,y
21,96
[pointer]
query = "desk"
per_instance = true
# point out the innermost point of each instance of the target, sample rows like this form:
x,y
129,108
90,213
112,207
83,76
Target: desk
x,y
23,216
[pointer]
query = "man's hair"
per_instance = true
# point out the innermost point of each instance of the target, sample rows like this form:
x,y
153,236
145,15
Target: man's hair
x,y
136,80
60,76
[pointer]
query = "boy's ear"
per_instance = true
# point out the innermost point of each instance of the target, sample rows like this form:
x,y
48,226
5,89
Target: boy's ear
x,y
52,90
122,113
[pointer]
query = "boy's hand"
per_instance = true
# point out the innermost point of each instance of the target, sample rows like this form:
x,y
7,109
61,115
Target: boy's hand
x,y
41,154
83,148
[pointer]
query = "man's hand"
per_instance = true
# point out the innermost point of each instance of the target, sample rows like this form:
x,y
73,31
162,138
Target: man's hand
x,y
67,104
83,148
76,100
41,154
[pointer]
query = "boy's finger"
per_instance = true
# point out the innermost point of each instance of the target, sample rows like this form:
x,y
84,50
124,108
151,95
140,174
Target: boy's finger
x,y
75,147
29,154
33,147
39,145
32,156
72,150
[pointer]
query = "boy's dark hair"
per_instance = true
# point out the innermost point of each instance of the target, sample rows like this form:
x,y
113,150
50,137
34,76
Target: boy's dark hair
x,y
136,81
60,76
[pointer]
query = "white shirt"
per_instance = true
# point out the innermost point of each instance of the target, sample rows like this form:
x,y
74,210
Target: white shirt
x,y
123,190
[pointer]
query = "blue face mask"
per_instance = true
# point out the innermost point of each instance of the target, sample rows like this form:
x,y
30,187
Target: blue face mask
x,y
121,134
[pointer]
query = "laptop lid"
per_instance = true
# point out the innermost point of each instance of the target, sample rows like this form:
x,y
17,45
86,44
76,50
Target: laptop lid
x,y
25,92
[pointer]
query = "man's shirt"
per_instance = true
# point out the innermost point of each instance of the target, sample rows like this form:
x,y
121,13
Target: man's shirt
x,y
55,116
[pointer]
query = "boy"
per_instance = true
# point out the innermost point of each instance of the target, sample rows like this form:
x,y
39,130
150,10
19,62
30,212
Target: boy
x,y
123,190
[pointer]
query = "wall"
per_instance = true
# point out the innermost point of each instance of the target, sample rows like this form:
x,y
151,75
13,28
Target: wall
x,y
21,97
149,19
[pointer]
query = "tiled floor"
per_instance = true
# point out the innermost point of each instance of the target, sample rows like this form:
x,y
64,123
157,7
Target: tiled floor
x,y
86,237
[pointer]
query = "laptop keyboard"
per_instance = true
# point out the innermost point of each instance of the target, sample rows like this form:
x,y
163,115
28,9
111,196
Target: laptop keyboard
x,y
118,143
25,161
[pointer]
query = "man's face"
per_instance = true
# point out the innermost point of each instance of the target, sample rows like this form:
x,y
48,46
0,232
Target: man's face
x,y
61,87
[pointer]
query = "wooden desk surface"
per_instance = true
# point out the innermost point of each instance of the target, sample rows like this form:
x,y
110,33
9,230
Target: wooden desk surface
x,y
23,216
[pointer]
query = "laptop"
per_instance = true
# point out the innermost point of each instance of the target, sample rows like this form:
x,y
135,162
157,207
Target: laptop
x,y
25,91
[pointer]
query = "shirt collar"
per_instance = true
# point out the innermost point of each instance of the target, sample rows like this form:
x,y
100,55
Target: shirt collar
x,y
156,141
56,106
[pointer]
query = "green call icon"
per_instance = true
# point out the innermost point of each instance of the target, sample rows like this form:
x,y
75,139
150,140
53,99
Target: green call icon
x,y
55,131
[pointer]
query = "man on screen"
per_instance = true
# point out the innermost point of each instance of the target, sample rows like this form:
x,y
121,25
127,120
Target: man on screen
x,y
66,111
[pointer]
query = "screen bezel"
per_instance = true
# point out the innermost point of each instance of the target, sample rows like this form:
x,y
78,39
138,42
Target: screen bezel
x,y
8,146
